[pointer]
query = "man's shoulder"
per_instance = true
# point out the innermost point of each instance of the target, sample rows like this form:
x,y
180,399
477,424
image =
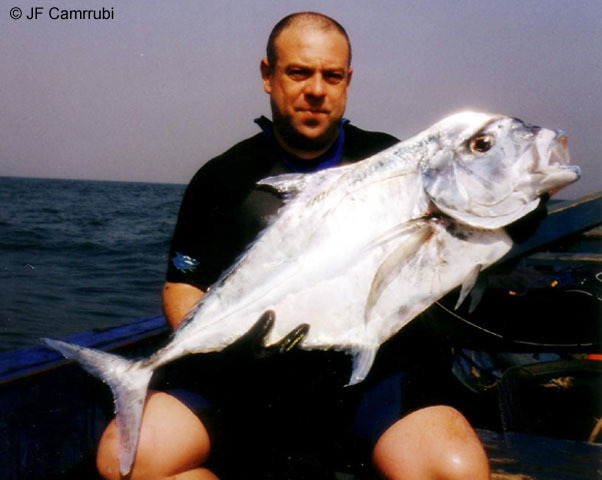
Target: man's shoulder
x,y
248,149
250,156
361,143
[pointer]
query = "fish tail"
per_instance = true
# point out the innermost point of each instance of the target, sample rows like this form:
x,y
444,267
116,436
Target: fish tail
x,y
129,383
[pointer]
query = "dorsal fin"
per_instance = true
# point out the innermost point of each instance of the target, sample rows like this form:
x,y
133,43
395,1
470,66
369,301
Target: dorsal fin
x,y
290,185
287,184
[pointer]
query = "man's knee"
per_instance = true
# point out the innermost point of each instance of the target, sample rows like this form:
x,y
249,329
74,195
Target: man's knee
x,y
434,442
107,463
172,440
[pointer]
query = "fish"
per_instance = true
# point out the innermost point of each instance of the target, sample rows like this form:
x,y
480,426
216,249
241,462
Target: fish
x,y
358,251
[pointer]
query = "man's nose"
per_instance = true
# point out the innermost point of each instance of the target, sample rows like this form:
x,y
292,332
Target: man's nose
x,y
315,86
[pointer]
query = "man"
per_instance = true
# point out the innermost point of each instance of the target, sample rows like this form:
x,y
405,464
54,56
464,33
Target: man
x,y
306,74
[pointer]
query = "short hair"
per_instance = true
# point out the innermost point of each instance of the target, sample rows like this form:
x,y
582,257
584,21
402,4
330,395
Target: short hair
x,y
310,19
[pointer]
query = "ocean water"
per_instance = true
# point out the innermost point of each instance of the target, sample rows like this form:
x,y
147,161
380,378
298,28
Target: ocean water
x,y
77,255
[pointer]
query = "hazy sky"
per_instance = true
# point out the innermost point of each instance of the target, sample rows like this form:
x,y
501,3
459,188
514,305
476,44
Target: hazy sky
x,y
156,91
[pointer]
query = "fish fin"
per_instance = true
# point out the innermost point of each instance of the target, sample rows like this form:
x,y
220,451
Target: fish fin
x,y
129,383
387,270
287,184
468,284
476,294
363,358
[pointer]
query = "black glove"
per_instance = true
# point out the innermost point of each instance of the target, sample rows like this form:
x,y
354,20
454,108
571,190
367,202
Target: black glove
x,y
252,341
523,228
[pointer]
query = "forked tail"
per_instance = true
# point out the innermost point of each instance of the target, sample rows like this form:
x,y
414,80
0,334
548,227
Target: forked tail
x,y
129,383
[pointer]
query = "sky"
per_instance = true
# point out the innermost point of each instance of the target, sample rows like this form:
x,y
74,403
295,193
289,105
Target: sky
x,y
157,90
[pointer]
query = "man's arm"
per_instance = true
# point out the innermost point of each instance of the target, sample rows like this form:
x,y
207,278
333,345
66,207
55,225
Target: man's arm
x,y
178,300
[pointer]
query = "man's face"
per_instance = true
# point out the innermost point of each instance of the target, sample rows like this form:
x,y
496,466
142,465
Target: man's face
x,y
308,87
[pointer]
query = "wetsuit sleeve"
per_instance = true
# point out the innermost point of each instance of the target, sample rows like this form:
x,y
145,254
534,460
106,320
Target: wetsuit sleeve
x,y
202,235
221,213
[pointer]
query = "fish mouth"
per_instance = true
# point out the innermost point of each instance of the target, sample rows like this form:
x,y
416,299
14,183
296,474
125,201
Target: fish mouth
x,y
552,154
559,151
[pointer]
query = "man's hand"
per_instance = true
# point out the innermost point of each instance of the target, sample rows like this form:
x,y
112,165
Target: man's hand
x,y
251,343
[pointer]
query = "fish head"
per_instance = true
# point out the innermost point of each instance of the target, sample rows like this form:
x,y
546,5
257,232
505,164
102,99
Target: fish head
x,y
489,170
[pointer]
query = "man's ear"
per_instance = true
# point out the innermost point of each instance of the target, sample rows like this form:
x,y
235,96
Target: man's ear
x,y
266,75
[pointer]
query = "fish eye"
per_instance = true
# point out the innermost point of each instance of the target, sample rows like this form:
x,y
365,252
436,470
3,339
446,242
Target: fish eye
x,y
481,143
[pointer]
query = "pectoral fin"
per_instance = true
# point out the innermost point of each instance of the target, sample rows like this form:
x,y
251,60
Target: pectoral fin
x,y
390,267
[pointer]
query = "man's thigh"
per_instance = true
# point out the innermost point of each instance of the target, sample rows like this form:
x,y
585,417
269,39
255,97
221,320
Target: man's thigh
x,y
172,439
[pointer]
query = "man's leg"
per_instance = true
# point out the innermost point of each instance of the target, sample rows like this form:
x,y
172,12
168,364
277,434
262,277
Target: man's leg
x,y
173,443
431,443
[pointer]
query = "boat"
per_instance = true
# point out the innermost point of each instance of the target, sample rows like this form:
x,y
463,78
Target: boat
x,y
53,413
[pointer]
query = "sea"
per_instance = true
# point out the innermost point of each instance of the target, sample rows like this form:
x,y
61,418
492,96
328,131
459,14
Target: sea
x,y
77,255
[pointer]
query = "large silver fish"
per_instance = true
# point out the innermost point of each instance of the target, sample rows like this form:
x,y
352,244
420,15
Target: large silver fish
x,y
358,251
